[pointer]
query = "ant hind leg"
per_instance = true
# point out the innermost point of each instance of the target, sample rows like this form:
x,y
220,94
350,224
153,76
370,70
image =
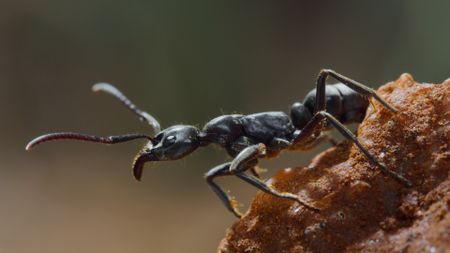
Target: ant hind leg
x,y
354,85
323,115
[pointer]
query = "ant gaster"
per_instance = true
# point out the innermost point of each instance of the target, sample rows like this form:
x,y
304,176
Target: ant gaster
x,y
248,138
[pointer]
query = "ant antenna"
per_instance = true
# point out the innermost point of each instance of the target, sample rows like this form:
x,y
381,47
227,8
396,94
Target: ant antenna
x,y
143,116
85,137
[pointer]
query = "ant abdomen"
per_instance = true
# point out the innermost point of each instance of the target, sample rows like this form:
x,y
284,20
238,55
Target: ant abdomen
x,y
345,104
354,105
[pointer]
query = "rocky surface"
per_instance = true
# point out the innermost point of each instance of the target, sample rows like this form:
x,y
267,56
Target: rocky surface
x,y
361,208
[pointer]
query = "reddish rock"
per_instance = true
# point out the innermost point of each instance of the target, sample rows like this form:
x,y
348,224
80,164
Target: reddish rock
x,y
361,208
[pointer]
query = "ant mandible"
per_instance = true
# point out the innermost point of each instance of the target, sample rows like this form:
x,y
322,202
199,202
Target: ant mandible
x,y
248,138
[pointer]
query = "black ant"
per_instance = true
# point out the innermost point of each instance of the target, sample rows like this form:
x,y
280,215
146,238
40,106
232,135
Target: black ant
x,y
250,137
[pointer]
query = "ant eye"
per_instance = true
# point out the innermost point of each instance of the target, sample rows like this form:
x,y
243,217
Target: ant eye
x,y
169,140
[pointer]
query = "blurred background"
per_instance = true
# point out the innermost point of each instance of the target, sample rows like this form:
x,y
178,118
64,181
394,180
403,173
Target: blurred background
x,y
183,62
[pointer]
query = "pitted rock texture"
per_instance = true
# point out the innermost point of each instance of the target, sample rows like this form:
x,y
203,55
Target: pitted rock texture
x,y
363,210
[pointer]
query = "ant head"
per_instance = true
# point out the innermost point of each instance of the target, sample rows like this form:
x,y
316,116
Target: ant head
x,y
170,144
175,142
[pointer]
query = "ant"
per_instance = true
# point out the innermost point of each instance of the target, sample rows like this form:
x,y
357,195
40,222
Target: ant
x,y
248,138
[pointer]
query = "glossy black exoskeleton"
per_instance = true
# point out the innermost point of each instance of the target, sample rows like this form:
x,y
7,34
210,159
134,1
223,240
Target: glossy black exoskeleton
x,y
249,137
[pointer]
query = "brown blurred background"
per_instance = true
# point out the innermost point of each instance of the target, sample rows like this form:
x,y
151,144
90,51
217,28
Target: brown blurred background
x,y
184,62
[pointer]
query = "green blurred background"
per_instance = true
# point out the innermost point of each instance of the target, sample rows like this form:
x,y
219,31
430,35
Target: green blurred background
x,y
184,62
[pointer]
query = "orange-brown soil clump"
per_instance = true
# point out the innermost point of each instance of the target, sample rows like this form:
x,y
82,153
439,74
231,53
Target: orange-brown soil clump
x,y
361,208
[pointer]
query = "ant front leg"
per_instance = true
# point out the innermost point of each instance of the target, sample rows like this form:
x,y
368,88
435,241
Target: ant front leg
x,y
222,170
247,159
321,101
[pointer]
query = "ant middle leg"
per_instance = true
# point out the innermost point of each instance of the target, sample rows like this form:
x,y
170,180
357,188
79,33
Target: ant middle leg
x,y
247,160
320,102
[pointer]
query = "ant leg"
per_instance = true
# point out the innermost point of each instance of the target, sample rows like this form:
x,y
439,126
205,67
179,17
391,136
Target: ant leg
x,y
255,172
143,116
349,135
320,116
270,190
354,85
246,160
222,170
246,156
330,139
